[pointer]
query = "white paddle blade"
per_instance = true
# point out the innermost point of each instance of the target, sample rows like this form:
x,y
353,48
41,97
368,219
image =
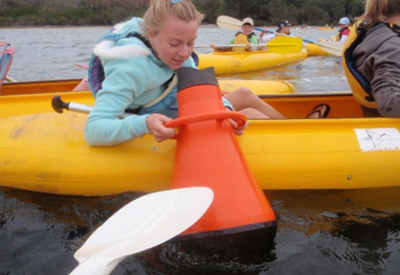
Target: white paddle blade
x,y
227,22
142,224
332,47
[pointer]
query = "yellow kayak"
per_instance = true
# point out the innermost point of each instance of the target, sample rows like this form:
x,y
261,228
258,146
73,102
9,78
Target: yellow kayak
x,y
259,87
228,62
44,151
326,29
314,49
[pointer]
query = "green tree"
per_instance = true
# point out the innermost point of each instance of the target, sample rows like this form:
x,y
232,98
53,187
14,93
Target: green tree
x,y
210,8
86,12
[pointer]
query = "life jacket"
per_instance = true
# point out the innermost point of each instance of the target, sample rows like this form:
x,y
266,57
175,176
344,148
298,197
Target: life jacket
x,y
340,33
96,70
359,85
241,38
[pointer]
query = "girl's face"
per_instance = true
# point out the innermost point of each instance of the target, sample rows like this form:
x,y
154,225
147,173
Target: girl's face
x,y
175,41
247,29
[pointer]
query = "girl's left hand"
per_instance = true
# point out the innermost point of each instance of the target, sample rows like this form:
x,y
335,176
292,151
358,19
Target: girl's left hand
x,y
239,130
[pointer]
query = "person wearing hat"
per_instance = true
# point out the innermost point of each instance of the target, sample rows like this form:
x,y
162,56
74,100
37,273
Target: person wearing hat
x,y
283,28
246,36
343,32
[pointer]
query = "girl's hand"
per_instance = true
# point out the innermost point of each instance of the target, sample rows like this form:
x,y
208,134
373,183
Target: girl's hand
x,y
224,92
155,124
236,129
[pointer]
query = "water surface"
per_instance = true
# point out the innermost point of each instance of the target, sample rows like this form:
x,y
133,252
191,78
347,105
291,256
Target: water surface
x,y
50,53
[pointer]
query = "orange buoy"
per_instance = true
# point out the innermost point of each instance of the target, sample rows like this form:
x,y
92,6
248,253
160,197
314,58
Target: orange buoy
x,y
208,154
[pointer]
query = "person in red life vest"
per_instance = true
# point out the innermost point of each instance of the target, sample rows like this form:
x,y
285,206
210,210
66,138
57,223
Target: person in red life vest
x,y
343,32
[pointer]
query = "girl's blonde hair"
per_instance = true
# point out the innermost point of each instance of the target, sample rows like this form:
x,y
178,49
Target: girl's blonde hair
x,y
159,11
376,10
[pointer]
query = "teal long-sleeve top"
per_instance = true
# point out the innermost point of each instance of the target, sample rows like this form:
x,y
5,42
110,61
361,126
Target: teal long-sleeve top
x,y
134,77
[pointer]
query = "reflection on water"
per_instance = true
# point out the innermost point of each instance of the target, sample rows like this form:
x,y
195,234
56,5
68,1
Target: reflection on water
x,y
314,74
319,232
50,53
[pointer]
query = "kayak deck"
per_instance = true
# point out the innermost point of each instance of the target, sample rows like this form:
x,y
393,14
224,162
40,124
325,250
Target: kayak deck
x,y
44,151
296,106
246,61
259,87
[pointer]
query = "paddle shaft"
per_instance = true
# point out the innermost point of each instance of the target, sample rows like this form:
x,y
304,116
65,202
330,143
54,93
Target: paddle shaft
x,y
10,79
332,49
232,45
309,41
59,105
283,45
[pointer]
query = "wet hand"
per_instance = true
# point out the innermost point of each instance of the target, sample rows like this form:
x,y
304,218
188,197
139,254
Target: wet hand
x,y
155,124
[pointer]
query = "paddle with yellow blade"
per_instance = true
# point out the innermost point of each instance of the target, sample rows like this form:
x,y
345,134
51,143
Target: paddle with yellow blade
x,y
277,45
142,224
227,22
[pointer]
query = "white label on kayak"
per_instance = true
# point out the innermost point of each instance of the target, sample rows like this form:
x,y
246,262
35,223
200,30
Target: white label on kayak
x,y
378,139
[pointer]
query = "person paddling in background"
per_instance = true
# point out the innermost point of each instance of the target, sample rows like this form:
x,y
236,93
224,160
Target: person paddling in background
x,y
371,59
245,37
283,28
343,32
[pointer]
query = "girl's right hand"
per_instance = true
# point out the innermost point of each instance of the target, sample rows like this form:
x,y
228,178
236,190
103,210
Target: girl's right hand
x,y
155,124
224,92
